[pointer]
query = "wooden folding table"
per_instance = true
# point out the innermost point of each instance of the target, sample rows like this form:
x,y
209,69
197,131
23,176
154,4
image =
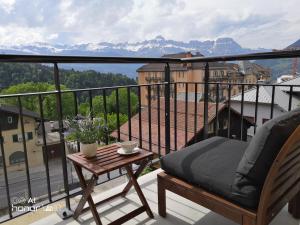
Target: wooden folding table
x,y
107,159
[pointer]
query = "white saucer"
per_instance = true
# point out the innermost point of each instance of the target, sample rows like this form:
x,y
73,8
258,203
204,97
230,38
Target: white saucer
x,y
122,152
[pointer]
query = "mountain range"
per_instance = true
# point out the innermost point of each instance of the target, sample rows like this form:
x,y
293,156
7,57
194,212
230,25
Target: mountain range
x,y
149,48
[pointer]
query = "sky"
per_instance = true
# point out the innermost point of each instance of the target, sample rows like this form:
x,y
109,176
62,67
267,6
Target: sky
x,y
252,23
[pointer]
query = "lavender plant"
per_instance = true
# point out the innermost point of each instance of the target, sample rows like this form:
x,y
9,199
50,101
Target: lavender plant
x,y
86,130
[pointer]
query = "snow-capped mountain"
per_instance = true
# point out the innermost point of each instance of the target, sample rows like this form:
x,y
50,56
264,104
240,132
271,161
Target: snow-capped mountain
x,y
150,48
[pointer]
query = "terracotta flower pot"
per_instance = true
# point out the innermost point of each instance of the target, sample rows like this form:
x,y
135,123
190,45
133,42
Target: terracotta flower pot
x,y
89,150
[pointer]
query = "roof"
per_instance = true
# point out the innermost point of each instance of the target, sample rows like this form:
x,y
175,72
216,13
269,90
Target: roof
x,y
295,81
15,110
180,55
247,67
159,67
51,126
260,67
180,128
265,97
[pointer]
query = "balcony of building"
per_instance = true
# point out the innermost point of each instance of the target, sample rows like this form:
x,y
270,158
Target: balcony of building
x,y
180,210
165,124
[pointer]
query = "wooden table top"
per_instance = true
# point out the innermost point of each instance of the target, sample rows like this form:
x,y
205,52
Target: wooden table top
x,y
107,159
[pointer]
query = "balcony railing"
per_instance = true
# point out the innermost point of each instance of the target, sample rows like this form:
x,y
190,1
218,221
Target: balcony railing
x,y
68,187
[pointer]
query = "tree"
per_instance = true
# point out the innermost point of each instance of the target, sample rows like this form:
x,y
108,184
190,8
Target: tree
x,y
32,102
111,106
123,102
84,109
16,73
112,121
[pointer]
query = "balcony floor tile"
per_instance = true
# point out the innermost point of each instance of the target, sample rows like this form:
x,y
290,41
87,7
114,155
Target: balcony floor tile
x,y
179,210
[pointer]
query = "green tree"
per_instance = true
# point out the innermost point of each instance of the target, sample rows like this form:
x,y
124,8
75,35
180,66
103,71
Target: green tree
x,y
98,105
84,109
111,106
16,73
112,121
123,102
49,100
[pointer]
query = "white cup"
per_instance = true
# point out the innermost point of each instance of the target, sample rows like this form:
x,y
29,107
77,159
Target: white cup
x,y
128,146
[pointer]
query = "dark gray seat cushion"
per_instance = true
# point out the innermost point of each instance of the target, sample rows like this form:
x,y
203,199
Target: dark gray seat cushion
x,y
211,164
261,152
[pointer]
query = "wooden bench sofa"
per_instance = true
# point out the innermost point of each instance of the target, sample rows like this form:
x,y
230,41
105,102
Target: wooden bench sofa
x,y
246,183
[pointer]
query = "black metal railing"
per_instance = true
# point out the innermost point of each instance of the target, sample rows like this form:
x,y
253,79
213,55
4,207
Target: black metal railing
x,y
168,116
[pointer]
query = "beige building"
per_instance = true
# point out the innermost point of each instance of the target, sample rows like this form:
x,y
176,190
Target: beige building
x,y
13,139
194,72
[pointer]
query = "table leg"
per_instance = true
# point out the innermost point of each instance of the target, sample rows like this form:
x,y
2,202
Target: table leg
x,y
136,175
86,196
138,190
86,193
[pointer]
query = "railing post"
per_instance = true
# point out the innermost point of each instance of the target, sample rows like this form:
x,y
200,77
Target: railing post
x,y
5,174
65,213
206,87
167,108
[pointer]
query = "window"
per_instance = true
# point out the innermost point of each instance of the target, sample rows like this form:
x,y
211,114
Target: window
x,y
19,138
222,73
16,157
15,138
29,136
9,120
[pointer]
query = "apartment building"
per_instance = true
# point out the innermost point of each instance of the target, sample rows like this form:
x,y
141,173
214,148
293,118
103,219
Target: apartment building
x,y
183,73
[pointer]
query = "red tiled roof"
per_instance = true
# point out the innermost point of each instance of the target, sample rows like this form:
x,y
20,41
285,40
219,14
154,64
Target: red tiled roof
x,y
180,124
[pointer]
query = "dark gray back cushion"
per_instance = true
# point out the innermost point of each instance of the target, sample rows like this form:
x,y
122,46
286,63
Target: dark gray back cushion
x,y
262,151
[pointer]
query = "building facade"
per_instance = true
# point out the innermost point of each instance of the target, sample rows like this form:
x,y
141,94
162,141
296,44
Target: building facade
x,y
264,105
12,138
190,73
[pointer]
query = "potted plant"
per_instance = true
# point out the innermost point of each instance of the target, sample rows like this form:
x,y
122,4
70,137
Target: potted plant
x,y
87,131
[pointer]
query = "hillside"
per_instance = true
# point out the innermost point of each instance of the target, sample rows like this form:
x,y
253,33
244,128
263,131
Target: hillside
x,y
281,66
15,73
278,66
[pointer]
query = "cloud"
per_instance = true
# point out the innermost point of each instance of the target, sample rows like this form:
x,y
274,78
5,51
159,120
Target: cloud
x,y
13,34
7,5
255,23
